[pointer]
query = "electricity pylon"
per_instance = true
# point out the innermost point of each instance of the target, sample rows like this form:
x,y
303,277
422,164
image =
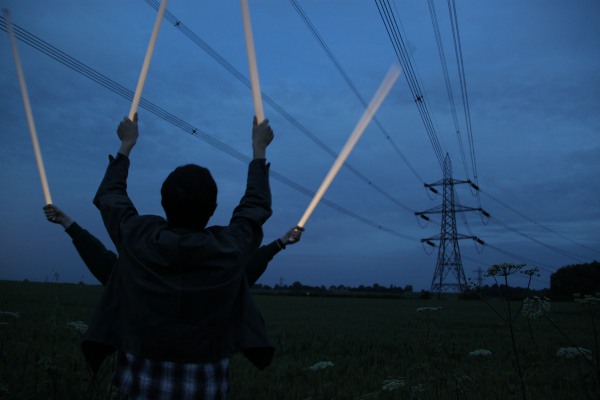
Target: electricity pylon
x,y
448,259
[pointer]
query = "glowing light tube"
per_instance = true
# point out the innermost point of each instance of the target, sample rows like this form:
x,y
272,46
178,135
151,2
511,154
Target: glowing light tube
x,y
378,98
146,65
32,130
256,96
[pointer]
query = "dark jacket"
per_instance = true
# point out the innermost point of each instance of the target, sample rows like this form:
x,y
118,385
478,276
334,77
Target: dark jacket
x,y
175,294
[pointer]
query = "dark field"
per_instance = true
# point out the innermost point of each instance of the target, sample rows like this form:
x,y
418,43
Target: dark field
x,y
376,349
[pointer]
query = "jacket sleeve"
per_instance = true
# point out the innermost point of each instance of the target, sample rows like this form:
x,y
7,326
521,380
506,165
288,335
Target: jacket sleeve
x,y
112,200
99,260
254,208
259,260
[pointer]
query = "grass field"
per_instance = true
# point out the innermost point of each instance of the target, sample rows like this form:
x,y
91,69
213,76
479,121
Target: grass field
x,y
368,348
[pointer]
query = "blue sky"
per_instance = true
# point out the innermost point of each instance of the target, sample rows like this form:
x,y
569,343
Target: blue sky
x,y
532,73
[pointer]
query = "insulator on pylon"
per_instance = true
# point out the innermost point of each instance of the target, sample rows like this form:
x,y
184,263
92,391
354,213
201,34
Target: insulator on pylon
x,y
479,241
434,190
429,242
425,217
474,186
485,213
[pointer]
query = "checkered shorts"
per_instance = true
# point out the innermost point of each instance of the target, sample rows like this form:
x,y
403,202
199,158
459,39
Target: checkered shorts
x,y
143,379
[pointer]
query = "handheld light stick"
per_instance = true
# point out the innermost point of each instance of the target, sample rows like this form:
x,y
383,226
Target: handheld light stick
x,y
30,122
146,65
381,93
256,96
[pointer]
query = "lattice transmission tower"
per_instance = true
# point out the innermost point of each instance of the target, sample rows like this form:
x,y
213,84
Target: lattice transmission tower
x,y
448,259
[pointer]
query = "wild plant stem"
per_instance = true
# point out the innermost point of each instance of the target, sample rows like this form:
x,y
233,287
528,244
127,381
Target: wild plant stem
x,y
582,378
571,343
514,343
597,347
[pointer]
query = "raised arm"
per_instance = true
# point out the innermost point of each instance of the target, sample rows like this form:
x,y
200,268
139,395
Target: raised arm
x,y
128,134
255,206
111,198
259,261
262,135
98,259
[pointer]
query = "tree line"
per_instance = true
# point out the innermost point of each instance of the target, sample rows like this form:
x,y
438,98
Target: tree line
x,y
577,279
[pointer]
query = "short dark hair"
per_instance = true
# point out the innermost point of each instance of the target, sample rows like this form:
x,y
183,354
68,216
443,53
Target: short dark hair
x,y
189,196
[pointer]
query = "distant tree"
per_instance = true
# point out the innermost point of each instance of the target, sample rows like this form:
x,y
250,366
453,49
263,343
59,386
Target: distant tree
x,y
578,278
408,288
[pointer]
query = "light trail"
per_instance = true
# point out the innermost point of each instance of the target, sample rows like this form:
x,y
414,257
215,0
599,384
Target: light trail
x,y
378,98
26,103
142,79
254,82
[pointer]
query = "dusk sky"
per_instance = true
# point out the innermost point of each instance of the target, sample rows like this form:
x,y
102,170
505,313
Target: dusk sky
x,y
532,74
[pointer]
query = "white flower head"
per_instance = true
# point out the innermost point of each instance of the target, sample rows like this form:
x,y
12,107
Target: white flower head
x,y
480,353
4,389
536,306
574,352
321,365
427,309
390,385
589,299
79,326
505,269
419,388
10,314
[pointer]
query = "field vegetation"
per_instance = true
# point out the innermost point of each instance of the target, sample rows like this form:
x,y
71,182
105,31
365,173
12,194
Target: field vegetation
x,y
331,348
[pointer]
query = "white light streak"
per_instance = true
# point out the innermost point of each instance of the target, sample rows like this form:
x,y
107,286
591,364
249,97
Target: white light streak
x,y
256,96
26,103
146,65
384,88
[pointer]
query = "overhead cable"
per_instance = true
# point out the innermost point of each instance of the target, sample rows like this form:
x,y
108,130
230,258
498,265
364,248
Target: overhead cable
x,y
595,251
177,23
393,31
555,249
463,87
58,55
349,82
440,46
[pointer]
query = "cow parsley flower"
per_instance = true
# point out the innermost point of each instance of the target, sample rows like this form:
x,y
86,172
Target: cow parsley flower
x,y
480,353
320,365
427,309
79,326
504,269
390,385
10,314
589,299
4,389
419,388
536,306
574,352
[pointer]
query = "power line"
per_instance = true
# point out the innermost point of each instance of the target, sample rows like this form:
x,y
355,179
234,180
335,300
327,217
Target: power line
x,y
177,23
563,252
537,223
464,93
463,87
440,46
63,58
391,26
349,82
